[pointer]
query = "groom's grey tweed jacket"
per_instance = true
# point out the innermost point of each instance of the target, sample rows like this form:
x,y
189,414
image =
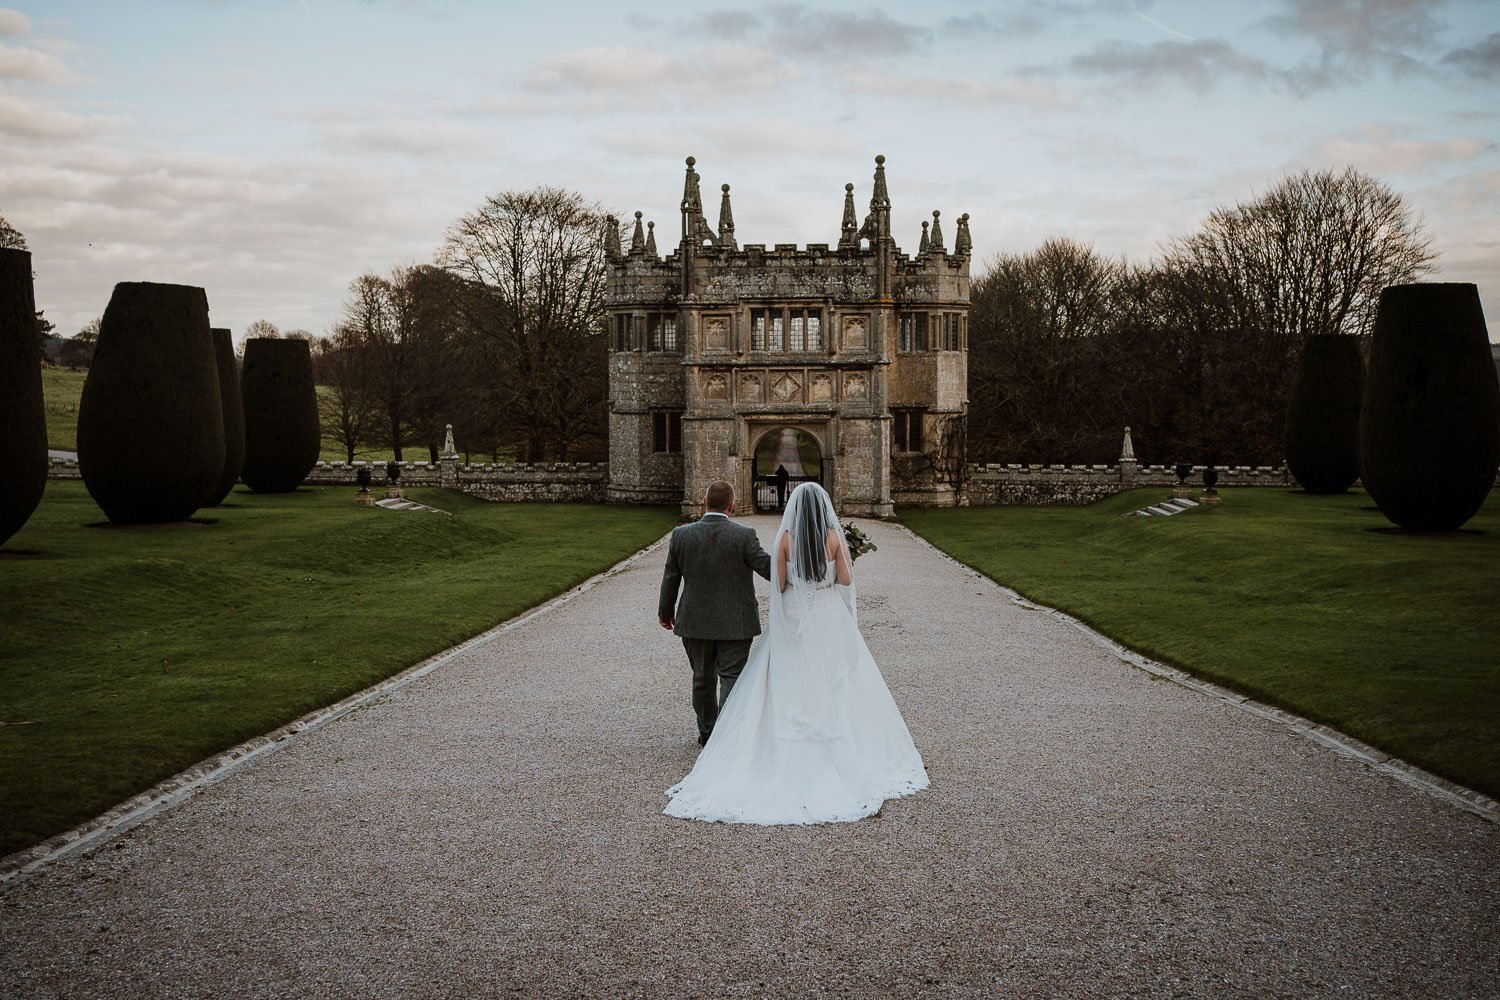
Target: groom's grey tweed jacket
x,y
712,560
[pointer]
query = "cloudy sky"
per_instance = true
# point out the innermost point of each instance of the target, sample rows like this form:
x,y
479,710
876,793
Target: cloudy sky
x,y
274,150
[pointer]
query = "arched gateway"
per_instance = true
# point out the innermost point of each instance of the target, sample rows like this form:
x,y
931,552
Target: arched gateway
x,y
857,349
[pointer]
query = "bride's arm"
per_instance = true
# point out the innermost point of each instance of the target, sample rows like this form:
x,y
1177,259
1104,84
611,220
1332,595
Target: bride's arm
x,y
783,553
839,553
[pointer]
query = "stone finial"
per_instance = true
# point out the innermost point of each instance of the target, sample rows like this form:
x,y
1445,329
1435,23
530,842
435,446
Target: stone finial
x,y
726,222
962,244
651,238
878,222
612,238
449,451
638,237
880,197
923,246
849,230
1127,449
694,225
937,233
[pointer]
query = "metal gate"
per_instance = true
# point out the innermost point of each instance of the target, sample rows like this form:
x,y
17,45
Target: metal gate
x,y
770,491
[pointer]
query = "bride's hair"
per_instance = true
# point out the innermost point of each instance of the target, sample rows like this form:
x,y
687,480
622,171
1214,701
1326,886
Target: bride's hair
x,y
810,521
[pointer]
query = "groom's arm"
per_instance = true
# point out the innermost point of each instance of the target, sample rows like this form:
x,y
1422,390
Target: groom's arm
x,y
756,557
671,579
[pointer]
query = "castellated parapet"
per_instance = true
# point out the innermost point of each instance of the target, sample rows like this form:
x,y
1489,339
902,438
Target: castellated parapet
x,y
718,350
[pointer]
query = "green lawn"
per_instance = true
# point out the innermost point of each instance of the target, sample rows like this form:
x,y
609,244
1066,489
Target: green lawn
x,y
1311,603
131,653
60,391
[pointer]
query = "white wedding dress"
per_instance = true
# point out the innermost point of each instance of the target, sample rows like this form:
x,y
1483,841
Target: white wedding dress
x,y
810,733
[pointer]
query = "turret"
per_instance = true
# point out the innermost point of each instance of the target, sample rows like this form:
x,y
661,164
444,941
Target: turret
x,y
962,244
651,238
936,242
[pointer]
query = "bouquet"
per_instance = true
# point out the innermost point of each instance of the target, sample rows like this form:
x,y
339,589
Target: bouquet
x,y
859,543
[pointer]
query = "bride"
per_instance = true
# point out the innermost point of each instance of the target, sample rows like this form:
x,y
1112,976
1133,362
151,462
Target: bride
x,y
809,733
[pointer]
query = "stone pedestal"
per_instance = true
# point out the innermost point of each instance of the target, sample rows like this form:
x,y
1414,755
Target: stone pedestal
x,y
1182,493
365,499
1209,498
394,493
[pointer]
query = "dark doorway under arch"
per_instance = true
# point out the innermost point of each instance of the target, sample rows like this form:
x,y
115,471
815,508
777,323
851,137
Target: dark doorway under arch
x,y
785,457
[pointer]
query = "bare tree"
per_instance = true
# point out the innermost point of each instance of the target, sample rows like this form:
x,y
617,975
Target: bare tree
x,y
1040,383
342,364
534,266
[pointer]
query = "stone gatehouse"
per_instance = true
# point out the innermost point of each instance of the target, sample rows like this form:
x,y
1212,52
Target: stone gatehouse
x,y
846,363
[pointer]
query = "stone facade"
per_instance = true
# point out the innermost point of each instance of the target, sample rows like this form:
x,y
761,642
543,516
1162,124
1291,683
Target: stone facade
x,y
716,349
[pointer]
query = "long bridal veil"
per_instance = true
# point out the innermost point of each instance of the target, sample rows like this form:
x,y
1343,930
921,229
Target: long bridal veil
x,y
810,733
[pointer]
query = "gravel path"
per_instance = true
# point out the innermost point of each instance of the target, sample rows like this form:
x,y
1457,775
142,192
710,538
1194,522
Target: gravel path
x,y
495,829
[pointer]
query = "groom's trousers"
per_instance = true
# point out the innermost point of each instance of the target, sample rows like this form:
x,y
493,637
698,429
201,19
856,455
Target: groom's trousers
x,y
714,658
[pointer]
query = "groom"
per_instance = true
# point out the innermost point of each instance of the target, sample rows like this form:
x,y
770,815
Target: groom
x,y
717,619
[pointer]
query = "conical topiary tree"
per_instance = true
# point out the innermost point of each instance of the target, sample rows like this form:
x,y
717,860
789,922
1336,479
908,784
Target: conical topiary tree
x,y
234,416
1430,426
1322,421
282,438
150,421
23,419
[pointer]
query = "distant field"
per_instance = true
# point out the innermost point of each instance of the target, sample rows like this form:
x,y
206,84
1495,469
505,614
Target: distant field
x,y
61,389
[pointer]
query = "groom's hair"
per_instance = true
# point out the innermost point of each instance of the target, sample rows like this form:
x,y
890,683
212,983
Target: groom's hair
x,y
719,496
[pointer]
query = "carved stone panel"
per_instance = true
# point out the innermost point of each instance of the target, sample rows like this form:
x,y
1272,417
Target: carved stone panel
x,y
716,387
856,386
751,389
856,333
822,388
786,388
716,333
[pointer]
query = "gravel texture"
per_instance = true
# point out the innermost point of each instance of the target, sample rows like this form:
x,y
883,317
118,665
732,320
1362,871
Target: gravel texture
x,y
495,829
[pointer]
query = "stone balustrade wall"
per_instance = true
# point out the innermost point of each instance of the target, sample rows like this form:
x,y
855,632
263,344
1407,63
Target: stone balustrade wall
x,y
549,482
1072,485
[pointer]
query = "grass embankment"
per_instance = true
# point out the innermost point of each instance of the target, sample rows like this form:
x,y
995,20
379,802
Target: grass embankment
x,y
131,653
1311,603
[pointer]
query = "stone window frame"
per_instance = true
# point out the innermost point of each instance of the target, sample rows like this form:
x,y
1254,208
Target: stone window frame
x,y
666,432
772,326
905,421
912,331
661,333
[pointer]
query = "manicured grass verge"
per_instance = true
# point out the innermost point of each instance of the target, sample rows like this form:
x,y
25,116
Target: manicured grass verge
x,y
131,653
1310,603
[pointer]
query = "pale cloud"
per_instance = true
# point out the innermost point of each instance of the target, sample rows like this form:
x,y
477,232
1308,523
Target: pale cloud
x,y
413,137
1356,37
714,70
795,28
1200,63
13,24
19,63
1381,150
23,117
1480,61
736,139
967,91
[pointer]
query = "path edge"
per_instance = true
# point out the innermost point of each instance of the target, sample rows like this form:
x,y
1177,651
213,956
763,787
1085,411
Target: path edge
x,y
166,794
1326,736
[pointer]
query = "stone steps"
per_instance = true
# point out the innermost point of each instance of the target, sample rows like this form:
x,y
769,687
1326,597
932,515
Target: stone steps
x,y
397,503
1165,509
